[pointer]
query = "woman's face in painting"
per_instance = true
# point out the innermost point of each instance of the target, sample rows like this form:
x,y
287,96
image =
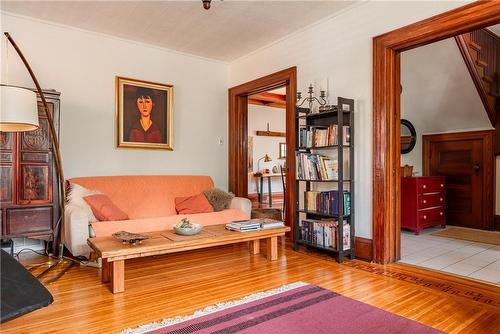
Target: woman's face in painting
x,y
145,105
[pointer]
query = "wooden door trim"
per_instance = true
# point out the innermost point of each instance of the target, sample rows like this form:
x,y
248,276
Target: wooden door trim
x,y
238,132
386,111
488,162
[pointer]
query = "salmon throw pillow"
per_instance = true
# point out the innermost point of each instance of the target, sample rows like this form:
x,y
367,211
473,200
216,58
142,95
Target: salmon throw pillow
x,y
104,209
193,204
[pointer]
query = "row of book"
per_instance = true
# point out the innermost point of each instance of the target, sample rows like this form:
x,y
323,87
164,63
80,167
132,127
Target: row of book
x,y
254,224
320,136
324,233
327,202
316,167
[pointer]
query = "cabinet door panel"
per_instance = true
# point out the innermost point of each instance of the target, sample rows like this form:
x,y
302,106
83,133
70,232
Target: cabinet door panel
x,y
37,140
6,176
35,184
28,221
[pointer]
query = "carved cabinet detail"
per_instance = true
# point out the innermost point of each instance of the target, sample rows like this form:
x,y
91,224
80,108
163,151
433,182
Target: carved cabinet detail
x,y
28,183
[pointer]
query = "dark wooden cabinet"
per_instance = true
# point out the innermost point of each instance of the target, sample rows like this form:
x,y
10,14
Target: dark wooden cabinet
x,y
28,180
423,202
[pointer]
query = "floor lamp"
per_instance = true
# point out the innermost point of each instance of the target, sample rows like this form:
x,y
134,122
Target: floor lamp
x,y
19,112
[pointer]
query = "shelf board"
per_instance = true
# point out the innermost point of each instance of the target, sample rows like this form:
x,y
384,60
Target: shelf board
x,y
322,214
304,180
322,114
322,147
333,250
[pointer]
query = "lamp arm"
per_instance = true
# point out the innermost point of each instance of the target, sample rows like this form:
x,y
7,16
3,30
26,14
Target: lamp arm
x,y
55,142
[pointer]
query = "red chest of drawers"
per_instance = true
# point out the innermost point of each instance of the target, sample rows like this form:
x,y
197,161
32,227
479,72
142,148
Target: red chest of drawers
x,y
423,202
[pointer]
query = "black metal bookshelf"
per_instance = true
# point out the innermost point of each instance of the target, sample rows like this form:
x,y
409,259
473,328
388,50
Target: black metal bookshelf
x,y
342,115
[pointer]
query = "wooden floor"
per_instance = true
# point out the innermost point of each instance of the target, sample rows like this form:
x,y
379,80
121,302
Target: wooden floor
x,y
179,284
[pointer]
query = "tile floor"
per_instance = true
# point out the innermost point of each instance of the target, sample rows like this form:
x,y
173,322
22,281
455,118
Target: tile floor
x,y
460,257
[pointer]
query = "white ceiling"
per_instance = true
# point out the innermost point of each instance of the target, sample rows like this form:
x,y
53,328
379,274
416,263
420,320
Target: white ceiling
x,y
229,30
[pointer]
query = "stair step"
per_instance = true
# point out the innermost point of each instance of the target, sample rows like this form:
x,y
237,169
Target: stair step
x,y
481,63
488,78
473,45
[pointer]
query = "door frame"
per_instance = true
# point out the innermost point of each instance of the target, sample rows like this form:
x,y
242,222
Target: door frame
x,y
386,112
238,133
488,165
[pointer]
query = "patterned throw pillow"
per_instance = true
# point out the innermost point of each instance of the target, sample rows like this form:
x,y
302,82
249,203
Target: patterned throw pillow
x,y
219,199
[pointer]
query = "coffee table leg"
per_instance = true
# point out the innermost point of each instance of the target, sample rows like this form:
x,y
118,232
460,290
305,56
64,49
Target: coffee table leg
x,y
272,248
254,246
118,272
105,271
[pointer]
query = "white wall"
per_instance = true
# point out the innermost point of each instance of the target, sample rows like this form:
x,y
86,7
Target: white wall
x,y
336,54
258,117
438,95
83,65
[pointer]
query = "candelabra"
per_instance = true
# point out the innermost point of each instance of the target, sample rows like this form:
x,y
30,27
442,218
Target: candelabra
x,y
311,98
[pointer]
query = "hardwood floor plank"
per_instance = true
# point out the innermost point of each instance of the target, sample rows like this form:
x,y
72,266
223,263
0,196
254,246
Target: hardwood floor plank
x,y
179,284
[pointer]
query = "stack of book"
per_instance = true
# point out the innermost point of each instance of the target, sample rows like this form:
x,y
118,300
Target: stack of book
x,y
327,202
323,233
316,167
320,136
254,225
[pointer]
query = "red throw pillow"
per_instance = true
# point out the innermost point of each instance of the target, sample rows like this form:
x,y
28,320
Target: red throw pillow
x,y
104,209
193,204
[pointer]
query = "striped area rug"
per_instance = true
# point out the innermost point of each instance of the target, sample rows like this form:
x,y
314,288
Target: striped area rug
x,y
293,309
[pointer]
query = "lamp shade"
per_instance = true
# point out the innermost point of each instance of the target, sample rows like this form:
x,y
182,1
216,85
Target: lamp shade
x,y
18,109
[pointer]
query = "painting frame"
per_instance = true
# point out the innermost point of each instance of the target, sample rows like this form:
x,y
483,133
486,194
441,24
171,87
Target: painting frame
x,y
125,114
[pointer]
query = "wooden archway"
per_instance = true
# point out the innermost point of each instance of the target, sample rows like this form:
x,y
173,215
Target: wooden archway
x,y
238,132
386,111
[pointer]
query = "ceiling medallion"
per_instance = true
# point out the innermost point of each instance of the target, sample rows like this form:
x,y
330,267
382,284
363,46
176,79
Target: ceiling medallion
x,y
206,4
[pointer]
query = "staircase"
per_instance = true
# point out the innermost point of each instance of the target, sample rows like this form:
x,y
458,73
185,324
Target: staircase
x,y
481,52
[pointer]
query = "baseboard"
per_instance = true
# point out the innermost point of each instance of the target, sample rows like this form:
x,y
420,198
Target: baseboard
x,y
363,248
496,224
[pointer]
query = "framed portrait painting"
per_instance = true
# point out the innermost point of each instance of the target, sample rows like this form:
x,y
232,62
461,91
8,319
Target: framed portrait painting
x,y
144,114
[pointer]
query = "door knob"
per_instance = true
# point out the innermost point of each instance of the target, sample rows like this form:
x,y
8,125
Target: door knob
x,y
476,168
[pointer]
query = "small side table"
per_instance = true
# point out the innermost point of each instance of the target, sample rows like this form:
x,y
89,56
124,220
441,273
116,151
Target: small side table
x,y
260,190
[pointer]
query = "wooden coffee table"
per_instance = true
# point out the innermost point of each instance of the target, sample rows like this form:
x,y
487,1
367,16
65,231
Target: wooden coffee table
x,y
114,253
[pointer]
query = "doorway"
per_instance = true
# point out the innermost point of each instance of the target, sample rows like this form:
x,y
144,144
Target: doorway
x,y
386,112
238,157
267,150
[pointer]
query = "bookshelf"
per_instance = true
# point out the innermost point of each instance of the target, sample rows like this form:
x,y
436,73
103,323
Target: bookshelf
x,y
324,191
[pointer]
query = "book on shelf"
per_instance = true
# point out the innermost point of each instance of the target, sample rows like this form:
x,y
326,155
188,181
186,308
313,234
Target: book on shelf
x,y
327,202
320,136
323,233
316,167
254,224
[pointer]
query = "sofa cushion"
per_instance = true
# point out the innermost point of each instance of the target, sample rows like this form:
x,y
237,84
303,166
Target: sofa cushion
x,y
104,209
193,204
146,196
75,198
102,229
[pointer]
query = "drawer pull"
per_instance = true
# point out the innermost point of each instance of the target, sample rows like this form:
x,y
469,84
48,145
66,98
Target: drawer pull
x,y
424,186
425,201
442,185
440,213
440,199
425,217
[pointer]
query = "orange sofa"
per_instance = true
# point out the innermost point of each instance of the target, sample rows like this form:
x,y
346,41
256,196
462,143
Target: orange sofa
x,y
149,201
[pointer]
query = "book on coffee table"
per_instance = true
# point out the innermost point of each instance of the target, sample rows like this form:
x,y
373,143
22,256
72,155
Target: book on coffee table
x,y
254,224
